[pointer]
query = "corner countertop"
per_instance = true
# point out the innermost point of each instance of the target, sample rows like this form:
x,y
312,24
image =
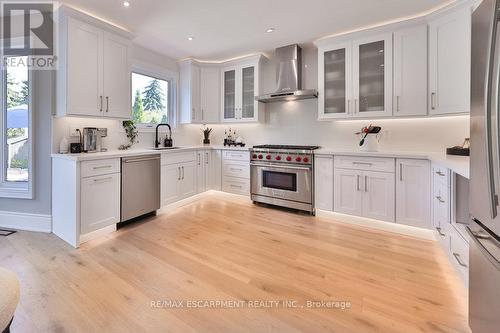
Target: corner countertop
x,y
138,152
458,164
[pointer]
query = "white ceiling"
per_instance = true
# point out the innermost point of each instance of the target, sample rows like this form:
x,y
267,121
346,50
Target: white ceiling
x,y
228,28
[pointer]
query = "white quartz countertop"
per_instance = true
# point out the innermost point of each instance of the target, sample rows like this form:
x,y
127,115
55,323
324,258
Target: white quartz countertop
x,y
458,164
137,152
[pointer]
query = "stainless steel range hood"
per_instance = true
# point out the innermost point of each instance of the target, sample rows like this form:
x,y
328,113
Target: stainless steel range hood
x,y
288,77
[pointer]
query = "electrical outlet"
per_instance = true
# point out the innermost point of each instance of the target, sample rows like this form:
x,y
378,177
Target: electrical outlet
x,y
73,131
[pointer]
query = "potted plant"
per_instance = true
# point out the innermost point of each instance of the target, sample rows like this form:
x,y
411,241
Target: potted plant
x,y
131,132
206,135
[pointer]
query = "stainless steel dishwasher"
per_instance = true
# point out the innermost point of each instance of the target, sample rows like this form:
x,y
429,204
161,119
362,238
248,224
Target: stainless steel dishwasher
x,y
141,177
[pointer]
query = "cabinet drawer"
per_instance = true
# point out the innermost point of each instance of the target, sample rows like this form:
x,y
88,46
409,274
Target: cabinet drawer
x,y
441,175
174,158
236,185
235,169
365,163
100,167
459,253
236,155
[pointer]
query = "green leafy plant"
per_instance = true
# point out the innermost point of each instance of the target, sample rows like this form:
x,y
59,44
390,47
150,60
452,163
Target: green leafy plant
x,y
131,132
19,164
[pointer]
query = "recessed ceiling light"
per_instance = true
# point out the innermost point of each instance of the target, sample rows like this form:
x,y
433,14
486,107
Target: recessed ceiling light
x,y
190,38
126,4
269,30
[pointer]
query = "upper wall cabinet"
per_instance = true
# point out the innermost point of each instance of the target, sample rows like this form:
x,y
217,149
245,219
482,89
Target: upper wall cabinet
x,y
355,78
410,71
240,86
199,93
94,75
449,56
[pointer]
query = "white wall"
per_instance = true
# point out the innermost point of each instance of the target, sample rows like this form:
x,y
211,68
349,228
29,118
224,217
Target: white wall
x,y
296,122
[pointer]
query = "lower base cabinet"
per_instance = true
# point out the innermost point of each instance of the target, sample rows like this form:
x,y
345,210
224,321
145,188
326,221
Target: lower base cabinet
x,y
100,202
323,182
178,177
413,193
361,191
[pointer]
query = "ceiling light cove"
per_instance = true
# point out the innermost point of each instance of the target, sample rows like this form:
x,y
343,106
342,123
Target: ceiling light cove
x,y
269,30
126,4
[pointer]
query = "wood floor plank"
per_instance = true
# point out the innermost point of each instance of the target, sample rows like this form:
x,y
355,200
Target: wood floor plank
x,y
224,248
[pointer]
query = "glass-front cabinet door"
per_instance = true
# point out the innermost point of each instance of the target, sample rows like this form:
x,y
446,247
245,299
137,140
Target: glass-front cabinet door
x,y
248,92
372,76
229,93
335,82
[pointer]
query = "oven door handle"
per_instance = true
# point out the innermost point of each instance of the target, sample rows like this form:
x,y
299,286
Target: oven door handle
x,y
281,166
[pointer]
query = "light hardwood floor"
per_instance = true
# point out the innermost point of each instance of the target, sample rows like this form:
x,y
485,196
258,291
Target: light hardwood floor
x,y
225,248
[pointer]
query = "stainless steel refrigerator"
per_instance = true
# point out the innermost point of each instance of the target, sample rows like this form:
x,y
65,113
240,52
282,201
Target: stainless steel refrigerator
x,y
484,229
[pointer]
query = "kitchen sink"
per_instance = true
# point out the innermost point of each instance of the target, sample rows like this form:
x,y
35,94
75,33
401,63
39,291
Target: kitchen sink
x,y
165,148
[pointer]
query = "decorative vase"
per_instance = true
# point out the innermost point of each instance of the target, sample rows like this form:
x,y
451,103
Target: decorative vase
x,y
206,141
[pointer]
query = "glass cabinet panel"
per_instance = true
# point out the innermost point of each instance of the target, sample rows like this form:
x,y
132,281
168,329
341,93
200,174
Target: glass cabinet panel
x,y
230,94
335,81
248,92
371,77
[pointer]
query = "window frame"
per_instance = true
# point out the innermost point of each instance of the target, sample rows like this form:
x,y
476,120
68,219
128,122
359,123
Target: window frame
x,y
16,190
160,74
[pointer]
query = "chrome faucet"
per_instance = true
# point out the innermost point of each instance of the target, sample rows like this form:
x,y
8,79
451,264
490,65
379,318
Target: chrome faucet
x,y
168,140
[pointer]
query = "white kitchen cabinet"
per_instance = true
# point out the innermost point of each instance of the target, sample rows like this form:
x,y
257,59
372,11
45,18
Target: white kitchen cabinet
x,y
187,182
236,172
240,86
378,195
215,171
410,71
335,81
210,94
199,93
372,76
100,202
449,56
347,192
413,192
364,186
189,85
201,168
355,78
94,75
323,182
170,176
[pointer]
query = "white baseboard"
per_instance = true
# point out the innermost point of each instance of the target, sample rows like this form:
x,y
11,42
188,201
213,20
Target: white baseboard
x,y
379,225
23,221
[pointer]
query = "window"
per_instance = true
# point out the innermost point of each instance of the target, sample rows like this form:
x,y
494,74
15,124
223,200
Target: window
x,y
151,100
15,121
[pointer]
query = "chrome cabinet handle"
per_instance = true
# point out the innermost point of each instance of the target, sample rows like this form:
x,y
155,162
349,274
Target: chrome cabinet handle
x,y
107,103
178,173
366,183
397,103
440,199
102,179
206,161
401,172
235,169
236,186
459,260
440,232
357,183
433,105
362,163
199,159
182,172
355,105
100,109
439,173
102,167
348,106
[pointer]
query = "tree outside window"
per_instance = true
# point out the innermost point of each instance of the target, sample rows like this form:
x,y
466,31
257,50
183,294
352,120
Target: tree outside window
x,y
149,99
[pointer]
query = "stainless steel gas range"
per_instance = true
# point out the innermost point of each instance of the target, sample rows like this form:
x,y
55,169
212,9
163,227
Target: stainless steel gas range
x,y
283,176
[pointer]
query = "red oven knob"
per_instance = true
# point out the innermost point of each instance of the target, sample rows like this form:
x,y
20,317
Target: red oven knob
x,y
254,156
260,156
288,158
278,158
305,160
268,157
298,159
